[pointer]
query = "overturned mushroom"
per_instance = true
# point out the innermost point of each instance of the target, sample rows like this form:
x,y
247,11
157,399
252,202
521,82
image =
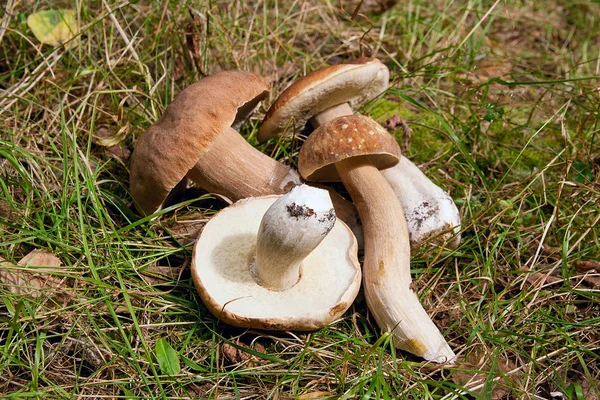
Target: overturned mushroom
x,y
335,91
353,148
277,262
195,138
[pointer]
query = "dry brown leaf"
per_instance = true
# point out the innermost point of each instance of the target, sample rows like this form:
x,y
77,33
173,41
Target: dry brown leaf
x,y
234,356
540,278
474,369
186,231
40,258
369,6
587,266
488,69
392,123
19,280
118,152
583,266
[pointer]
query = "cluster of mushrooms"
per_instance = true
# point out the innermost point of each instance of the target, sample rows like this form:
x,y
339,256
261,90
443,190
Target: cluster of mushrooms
x,y
284,255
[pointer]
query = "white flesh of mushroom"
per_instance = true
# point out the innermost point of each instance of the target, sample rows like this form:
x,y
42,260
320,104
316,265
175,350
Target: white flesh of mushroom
x,y
430,212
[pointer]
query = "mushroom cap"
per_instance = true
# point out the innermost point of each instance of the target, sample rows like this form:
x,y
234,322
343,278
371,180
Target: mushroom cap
x,y
221,270
345,137
356,83
174,144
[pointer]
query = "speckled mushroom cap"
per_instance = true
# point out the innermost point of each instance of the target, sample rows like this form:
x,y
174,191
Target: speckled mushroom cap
x,y
357,83
345,137
222,274
172,146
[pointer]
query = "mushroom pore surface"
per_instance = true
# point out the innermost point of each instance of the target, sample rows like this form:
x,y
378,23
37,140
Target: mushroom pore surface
x,y
222,273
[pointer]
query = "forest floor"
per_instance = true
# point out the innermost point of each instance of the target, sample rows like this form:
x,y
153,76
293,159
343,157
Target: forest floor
x,y
503,103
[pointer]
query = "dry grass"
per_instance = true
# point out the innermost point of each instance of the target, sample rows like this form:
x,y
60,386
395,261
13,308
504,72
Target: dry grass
x,y
502,97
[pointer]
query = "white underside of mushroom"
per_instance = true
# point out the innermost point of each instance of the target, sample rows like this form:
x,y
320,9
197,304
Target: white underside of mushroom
x,y
313,293
430,212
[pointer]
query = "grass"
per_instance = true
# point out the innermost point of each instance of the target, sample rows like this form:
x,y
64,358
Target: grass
x,y
502,97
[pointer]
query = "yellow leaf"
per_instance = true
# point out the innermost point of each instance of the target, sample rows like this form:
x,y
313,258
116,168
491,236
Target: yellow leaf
x,y
53,27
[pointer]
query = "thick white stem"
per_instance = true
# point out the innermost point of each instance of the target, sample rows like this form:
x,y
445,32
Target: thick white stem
x,y
289,231
430,212
330,113
387,281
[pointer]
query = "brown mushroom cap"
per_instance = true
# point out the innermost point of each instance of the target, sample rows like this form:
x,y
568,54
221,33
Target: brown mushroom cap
x,y
345,137
356,83
172,146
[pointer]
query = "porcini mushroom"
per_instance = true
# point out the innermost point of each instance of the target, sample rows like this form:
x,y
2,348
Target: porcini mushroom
x,y
195,138
353,148
324,94
337,90
277,262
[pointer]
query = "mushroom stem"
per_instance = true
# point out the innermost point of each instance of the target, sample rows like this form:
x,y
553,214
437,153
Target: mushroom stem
x,y
289,231
387,280
330,113
235,169
430,211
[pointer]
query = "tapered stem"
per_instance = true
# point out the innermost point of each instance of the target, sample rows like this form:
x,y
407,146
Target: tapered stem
x,y
430,211
289,231
387,280
235,169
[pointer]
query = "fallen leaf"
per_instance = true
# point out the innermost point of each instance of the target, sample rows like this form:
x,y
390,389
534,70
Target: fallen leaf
x,y
53,27
407,131
235,356
372,6
488,69
107,137
186,231
35,282
118,152
314,395
587,265
473,371
392,123
583,266
540,278
40,258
